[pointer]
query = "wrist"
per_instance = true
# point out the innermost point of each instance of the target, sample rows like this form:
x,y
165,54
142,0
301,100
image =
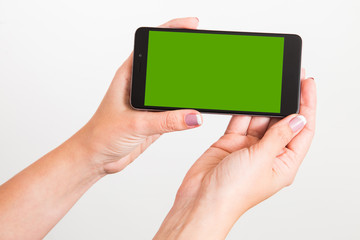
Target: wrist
x,y
207,220
84,154
200,218
106,150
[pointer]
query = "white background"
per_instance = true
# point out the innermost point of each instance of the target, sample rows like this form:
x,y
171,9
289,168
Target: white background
x,y
58,58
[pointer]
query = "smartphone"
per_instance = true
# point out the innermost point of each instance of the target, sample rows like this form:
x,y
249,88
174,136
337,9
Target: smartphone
x,y
216,71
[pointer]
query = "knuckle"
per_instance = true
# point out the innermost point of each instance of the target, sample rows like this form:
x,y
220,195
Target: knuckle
x,y
169,123
255,133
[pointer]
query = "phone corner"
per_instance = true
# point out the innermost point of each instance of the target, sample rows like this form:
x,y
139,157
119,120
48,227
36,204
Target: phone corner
x,y
132,105
297,38
131,101
139,29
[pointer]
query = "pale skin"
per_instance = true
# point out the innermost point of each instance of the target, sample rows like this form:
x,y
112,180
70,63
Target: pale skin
x,y
256,157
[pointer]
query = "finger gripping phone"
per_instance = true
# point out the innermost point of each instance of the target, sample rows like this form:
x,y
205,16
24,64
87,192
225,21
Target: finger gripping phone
x,y
216,71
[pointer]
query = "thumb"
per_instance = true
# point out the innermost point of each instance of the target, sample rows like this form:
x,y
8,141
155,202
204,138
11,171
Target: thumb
x,y
170,121
280,134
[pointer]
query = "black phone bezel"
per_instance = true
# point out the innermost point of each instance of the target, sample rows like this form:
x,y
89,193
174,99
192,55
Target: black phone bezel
x,y
290,91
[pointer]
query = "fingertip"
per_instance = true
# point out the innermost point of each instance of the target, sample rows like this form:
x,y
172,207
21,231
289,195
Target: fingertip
x,y
193,120
187,22
310,84
194,20
311,81
297,123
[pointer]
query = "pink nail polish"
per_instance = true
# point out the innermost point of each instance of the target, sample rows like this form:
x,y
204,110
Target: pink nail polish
x,y
193,119
297,123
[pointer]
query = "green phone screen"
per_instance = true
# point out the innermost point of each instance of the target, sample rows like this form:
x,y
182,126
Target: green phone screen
x,y
214,71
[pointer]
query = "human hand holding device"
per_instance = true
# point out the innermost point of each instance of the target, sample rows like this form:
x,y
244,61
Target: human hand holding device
x,y
39,196
33,201
117,133
255,158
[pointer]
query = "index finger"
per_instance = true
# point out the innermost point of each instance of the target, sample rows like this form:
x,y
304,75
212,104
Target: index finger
x,y
301,143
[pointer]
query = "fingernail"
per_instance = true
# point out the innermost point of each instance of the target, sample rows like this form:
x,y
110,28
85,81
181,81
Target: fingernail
x,y
311,78
193,119
197,19
297,123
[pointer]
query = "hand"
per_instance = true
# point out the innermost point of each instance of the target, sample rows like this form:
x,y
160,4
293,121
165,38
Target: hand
x,y
255,158
117,134
40,195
